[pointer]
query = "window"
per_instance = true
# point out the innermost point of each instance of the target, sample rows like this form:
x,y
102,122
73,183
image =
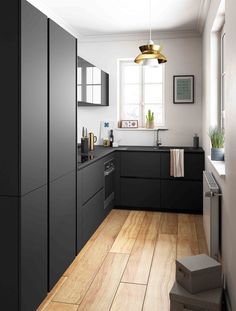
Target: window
x,y
222,79
141,89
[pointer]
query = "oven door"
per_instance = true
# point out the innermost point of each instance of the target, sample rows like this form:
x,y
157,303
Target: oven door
x,y
109,175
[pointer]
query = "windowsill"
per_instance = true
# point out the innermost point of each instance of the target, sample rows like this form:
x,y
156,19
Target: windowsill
x,y
137,129
219,166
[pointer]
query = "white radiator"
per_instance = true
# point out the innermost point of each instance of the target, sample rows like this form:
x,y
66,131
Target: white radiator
x,y
211,194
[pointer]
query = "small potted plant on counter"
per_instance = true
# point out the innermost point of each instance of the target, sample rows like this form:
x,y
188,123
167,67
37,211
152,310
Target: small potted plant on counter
x,y
217,144
150,119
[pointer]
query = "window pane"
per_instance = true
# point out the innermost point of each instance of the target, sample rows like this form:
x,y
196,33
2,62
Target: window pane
x,y
79,75
89,75
130,112
89,94
96,75
152,74
153,93
131,94
79,94
158,113
97,94
131,74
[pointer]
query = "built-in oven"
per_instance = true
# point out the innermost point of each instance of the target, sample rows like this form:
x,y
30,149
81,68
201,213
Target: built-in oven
x,y
109,176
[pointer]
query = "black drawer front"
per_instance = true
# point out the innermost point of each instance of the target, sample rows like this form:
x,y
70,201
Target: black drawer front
x,y
93,180
140,193
181,195
193,165
140,164
92,215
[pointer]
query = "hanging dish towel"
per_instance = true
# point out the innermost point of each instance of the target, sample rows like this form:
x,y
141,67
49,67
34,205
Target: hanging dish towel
x,y
177,162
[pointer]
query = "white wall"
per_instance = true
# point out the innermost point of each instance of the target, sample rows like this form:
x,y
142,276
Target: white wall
x,y
228,183
184,57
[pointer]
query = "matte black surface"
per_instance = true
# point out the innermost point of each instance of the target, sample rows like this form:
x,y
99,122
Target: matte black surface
x,y
9,259
34,239
144,193
10,92
193,166
92,215
62,101
33,98
181,195
79,212
93,180
140,164
62,226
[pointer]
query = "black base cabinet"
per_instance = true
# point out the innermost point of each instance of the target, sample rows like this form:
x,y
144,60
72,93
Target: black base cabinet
x,y
62,226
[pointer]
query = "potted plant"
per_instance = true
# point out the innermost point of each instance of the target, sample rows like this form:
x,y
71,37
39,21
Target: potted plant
x,y
217,144
150,119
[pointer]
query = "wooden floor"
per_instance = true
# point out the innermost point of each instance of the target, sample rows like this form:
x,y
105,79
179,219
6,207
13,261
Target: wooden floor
x,y
128,264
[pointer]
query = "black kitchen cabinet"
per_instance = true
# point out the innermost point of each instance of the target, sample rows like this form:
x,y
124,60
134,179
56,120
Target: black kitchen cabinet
x,y
193,165
140,193
23,158
92,85
181,195
34,281
140,164
62,102
92,215
62,226
79,229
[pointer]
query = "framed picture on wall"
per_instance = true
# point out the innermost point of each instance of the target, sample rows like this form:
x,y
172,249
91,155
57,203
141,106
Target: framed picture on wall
x,y
183,89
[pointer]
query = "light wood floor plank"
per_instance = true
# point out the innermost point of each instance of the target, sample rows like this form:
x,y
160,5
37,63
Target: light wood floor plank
x,y
77,284
103,289
138,267
129,297
162,274
169,223
128,234
187,244
43,306
57,306
187,230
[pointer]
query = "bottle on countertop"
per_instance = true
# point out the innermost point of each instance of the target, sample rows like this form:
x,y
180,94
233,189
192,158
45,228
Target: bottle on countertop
x,y
111,138
195,141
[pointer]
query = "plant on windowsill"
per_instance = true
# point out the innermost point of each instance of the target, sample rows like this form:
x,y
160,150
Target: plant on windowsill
x,y
150,120
217,144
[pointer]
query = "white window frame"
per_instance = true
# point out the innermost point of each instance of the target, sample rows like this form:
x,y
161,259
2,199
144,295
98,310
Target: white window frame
x,y
142,118
222,78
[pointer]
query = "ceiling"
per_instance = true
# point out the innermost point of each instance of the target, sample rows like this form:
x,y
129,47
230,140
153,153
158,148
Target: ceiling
x,y
108,17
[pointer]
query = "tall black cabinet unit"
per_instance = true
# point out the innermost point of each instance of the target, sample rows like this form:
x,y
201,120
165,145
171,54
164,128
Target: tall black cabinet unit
x,y
23,156
62,151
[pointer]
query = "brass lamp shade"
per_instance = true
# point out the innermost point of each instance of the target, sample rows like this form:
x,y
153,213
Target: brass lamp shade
x,y
150,51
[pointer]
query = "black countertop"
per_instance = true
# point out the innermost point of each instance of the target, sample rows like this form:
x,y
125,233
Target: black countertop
x,y
100,152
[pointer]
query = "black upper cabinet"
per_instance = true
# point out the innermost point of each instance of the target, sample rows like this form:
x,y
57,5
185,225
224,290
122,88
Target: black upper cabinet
x,y
62,226
62,101
33,99
92,85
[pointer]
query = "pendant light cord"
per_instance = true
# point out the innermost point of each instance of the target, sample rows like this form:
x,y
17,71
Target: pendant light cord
x,y
150,23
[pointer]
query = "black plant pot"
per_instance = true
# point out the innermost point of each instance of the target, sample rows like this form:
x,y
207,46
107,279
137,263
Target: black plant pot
x,y
217,154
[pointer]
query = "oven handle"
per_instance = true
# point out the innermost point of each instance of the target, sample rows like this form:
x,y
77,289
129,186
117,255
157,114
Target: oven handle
x,y
109,171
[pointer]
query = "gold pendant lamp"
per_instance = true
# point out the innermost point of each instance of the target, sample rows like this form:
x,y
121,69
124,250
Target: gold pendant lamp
x,y
151,53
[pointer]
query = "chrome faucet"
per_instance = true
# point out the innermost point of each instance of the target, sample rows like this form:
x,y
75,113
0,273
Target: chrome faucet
x,y
158,140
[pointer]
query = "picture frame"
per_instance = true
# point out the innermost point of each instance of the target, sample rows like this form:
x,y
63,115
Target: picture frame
x,y
129,123
183,89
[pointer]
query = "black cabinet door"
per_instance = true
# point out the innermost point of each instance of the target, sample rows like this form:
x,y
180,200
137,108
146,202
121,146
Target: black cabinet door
x,y
92,215
140,193
62,101
62,226
34,281
33,98
181,195
9,259
193,165
105,88
93,180
79,229
140,164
